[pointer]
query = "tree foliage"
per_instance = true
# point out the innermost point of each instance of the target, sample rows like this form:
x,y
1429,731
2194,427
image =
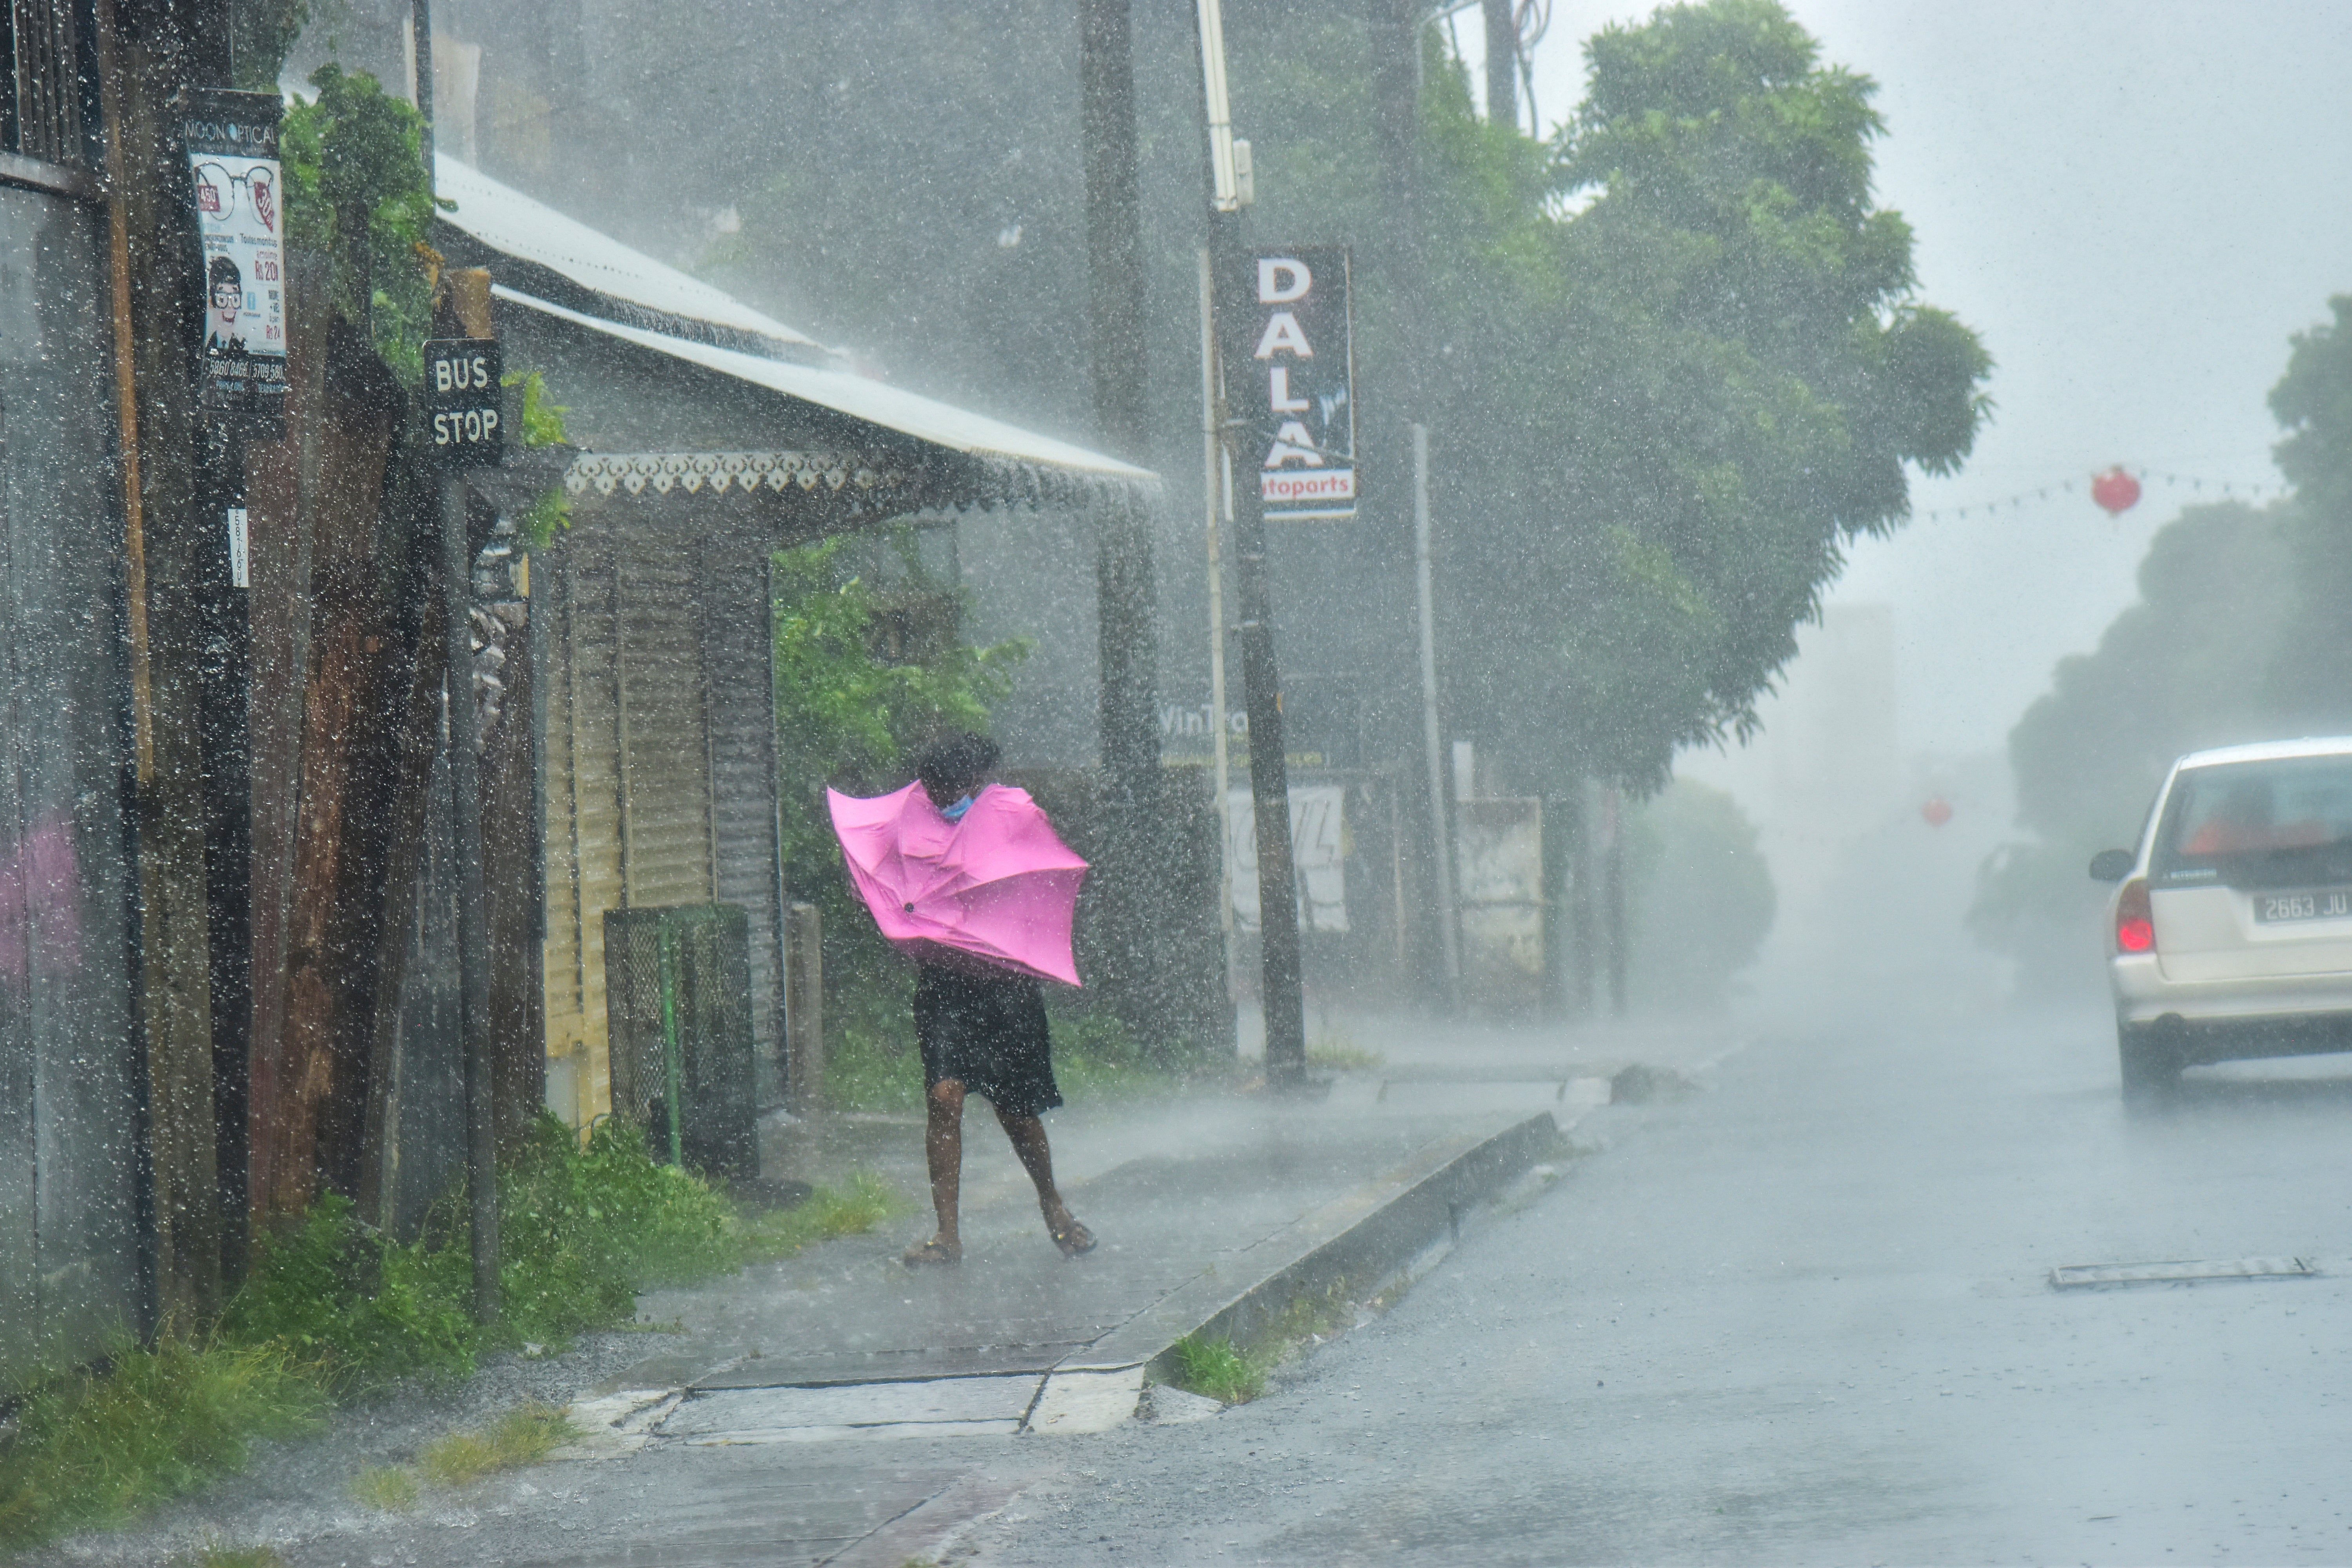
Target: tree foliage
x,y
1702,897
2240,634
356,193
1695,370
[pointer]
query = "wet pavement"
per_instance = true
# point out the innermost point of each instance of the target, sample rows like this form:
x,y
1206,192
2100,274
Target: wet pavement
x,y
1806,1316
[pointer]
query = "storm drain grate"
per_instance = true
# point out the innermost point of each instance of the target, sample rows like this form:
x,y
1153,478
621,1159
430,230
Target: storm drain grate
x,y
2169,1273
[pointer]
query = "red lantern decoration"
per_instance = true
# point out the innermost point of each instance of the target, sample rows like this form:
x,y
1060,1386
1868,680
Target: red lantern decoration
x,y
1936,812
2116,490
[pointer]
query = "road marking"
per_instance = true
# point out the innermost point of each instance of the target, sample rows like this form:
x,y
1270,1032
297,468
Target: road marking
x,y
2080,1274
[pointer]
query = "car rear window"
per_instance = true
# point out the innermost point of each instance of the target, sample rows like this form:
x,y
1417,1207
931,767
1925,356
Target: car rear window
x,y
2274,824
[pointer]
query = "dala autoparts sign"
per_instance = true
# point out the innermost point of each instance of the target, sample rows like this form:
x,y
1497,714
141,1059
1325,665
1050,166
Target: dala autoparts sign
x,y
464,400
1297,396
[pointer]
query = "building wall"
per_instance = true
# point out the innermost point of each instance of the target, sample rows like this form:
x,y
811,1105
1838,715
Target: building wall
x,y
69,1265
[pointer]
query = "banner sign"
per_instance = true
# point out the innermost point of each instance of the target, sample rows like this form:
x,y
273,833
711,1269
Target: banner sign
x,y
464,400
232,139
1297,396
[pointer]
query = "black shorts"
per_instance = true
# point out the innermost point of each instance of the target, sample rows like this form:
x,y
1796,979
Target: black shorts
x,y
988,1032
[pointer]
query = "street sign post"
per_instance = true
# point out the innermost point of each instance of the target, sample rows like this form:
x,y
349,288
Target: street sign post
x,y
466,430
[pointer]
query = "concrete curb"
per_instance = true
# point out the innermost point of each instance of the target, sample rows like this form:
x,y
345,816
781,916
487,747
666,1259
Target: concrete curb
x,y
1365,1238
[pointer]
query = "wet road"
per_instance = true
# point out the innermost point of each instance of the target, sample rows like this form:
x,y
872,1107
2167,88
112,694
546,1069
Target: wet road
x,y
1804,1317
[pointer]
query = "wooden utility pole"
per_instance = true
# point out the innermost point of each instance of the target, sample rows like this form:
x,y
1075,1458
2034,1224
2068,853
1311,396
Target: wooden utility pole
x,y
1133,869
147,53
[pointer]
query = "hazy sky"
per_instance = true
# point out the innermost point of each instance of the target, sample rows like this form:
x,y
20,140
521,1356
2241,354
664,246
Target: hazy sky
x,y
2135,204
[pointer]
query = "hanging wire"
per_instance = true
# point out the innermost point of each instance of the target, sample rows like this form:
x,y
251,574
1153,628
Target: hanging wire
x,y
2194,484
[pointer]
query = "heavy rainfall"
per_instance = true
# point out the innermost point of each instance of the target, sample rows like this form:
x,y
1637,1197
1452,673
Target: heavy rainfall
x,y
1078,782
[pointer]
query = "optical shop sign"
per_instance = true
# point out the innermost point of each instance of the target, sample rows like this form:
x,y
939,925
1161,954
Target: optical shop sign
x,y
240,211
1297,395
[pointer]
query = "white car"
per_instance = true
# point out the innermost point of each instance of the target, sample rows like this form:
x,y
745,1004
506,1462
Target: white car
x,y
2233,926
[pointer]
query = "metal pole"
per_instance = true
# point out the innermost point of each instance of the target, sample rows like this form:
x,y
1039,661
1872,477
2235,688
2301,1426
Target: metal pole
x,y
420,35
473,954
1277,892
1217,491
468,296
1448,924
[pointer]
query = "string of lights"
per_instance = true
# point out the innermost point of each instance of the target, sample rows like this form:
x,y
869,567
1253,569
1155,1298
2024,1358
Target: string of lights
x,y
2179,484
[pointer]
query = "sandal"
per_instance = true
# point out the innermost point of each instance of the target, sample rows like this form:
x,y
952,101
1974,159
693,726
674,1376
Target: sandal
x,y
932,1253
1075,1239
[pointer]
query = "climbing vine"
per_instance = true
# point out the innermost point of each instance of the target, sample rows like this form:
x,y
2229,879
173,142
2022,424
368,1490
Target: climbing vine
x,y
356,193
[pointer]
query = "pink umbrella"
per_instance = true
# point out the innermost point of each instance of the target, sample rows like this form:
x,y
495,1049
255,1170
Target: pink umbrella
x,y
998,885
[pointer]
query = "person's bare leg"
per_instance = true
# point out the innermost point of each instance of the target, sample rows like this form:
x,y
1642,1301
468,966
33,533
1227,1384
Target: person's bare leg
x,y
1028,1136
943,1152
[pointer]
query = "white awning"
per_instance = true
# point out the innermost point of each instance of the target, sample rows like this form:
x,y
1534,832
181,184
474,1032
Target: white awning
x,y
512,224
860,397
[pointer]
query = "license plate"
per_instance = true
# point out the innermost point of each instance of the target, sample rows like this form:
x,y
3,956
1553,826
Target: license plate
x,y
2320,904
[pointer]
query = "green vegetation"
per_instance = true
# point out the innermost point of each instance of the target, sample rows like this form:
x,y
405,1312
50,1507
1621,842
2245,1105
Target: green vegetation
x,y
1215,1369
331,1306
1687,351
826,1213
542,426
2239,634
521,1436
94,1446
389,1488
356,193
1235,1374
1701,894
867,668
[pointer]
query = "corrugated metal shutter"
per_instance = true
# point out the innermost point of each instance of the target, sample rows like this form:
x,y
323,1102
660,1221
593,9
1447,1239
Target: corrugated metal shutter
x,y
665,742
584,853
737,650
659,765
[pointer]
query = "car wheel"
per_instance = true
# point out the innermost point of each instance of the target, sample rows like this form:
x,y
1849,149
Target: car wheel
x,y
2150,1061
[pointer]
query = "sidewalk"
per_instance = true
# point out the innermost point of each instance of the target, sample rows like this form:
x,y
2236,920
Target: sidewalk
x,y
747,1436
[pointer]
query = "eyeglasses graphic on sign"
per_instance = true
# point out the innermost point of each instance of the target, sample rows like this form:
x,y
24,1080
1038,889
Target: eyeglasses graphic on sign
x,y
216,192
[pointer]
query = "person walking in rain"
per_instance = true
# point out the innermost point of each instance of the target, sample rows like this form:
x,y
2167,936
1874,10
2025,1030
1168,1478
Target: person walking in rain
x,y
982,1031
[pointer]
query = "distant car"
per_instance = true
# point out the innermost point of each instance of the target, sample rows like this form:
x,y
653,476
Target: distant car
x,y
2232,924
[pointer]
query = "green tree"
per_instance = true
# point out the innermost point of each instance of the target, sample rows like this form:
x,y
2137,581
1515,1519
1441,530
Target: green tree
x,y
2240,634
1702,897
2313,403
2186,667
1695,369
846,717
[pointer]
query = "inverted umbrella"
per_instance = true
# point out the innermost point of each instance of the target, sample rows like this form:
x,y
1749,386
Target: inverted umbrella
x,y
997,884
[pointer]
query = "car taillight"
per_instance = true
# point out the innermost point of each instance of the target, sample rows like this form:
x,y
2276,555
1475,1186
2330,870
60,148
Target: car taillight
x,y
2135,920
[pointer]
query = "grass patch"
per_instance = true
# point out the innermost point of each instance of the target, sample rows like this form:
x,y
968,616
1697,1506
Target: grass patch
x,y
93,1448
1215,1369
865,1202
386,1487
1342,1055
1234,1375
331,1306
523,1435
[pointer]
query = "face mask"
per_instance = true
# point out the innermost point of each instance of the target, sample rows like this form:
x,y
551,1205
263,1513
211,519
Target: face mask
x,y
955,813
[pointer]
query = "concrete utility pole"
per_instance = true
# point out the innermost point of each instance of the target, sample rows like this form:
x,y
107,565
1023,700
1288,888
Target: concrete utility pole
x,y
1126,588
1502,61
1449,927
1277,894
